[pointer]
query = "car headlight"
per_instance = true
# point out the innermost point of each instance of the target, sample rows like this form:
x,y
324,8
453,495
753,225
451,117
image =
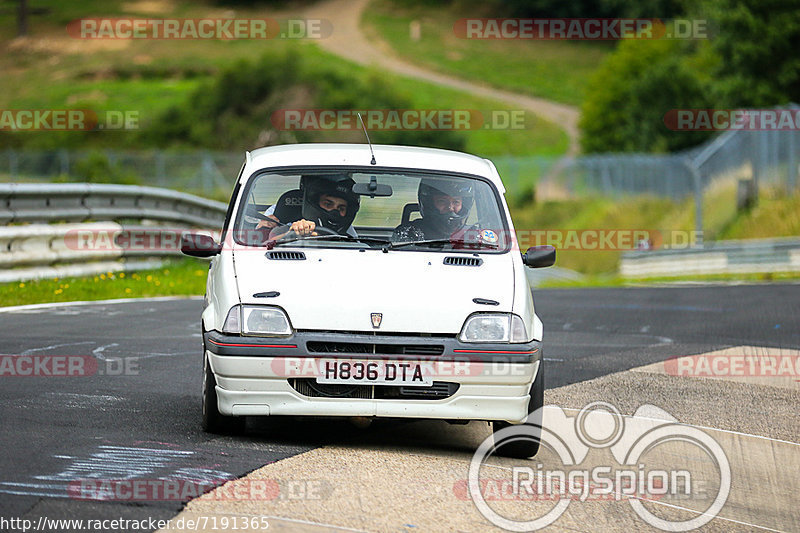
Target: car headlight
x,y
257,320
494,327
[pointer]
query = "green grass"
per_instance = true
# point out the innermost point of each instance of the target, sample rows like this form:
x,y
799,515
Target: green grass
x,y
54,71
777,214
640,213
180,277
556,70
538,138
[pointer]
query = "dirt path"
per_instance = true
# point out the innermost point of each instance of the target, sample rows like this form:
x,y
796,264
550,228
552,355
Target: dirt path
x,y
349,42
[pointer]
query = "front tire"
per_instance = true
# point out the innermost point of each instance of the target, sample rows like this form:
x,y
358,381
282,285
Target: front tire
x,y
213,420
527,447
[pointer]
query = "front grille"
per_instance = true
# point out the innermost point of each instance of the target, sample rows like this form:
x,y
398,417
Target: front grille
x,y
339,347
411,349
438,391
383,349
309,387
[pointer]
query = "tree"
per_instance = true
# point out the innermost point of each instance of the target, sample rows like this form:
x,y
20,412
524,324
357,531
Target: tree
x,y
635,87
757,43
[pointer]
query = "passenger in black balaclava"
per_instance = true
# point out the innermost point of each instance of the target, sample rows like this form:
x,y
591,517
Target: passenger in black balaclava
x,y
444,205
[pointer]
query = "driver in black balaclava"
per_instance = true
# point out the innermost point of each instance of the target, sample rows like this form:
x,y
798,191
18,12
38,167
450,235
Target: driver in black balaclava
x,y
328,202
444,205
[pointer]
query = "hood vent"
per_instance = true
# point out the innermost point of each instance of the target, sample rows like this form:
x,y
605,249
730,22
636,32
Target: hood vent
x,y
281,255
463,261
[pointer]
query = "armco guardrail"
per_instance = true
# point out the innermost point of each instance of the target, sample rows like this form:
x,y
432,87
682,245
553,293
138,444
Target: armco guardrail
x,y
33,251
77,202
720,257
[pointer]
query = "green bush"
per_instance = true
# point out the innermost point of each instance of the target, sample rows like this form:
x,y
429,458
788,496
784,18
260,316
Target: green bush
x,y
636,86
97,168
233,111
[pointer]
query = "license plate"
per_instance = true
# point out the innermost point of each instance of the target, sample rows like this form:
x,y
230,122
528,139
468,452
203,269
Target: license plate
x,y
373,373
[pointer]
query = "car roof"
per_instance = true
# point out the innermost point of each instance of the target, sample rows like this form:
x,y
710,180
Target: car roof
x,y
406,157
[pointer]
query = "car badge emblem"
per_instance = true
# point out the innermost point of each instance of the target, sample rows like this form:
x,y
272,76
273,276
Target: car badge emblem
x,y
376,319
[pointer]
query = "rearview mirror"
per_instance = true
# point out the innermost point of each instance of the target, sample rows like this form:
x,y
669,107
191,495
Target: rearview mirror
x,y
199,245
539,256
372,189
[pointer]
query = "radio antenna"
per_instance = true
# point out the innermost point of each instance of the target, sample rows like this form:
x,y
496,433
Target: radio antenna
x,y
373,162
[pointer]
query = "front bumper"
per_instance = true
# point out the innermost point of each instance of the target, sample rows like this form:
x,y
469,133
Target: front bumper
x,y
255,375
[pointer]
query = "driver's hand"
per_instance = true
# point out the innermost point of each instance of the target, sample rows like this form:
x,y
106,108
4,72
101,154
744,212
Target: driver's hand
x,y
303,227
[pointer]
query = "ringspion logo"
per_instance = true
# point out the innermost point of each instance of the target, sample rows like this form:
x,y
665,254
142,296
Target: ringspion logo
x,y
648,459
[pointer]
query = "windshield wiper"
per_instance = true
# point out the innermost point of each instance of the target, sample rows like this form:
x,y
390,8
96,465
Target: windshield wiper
x,y
349,238
396,245
402,244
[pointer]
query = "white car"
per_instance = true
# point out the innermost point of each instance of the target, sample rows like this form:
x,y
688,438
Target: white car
x,y
404,296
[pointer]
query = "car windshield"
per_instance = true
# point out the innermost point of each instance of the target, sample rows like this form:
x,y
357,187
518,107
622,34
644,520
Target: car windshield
x,y
357,208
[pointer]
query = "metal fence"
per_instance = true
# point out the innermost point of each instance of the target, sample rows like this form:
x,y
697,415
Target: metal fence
x,y
206,173
766,157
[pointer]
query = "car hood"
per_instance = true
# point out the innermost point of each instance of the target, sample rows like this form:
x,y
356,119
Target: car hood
x,y
340,289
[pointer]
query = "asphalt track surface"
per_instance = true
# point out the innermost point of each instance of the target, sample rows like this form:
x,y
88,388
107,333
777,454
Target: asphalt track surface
x,y
143,422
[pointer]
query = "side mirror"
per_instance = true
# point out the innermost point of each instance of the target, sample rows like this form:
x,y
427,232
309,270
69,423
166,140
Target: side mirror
x,y
539,256
199,245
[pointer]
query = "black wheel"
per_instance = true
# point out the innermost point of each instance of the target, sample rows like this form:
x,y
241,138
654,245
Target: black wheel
x,y
213,420
524,448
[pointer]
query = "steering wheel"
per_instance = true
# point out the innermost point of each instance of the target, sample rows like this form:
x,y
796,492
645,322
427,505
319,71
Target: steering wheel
x,y
326,231
318,229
